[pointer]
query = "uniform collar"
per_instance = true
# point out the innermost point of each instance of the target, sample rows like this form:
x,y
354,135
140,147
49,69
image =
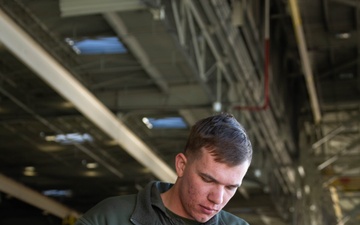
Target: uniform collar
x,y
149,198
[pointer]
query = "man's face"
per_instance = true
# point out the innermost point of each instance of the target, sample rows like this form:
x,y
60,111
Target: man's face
x,y
206,186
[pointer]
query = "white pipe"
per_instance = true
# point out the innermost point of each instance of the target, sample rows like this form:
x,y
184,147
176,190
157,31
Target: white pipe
x,y
19,191
328,136
47,68
295,15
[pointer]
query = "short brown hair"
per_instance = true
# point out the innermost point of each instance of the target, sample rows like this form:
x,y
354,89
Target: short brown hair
x,y
223,136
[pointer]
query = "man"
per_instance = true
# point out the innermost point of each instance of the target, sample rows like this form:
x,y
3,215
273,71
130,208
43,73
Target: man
x,y
211,168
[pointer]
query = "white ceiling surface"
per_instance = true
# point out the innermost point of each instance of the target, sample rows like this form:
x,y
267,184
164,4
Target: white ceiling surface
x,y
177,65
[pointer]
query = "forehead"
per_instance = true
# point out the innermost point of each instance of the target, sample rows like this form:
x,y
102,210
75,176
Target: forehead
x,y
206,164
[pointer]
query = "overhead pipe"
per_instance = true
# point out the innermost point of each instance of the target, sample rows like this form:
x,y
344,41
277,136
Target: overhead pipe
x,y
342,152
62,81
20,191
295,15
335,132
328,137
266,65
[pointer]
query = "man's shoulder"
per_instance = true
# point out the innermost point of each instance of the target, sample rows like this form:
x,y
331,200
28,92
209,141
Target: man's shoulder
x,y
111,204
228,218
118,200
113,210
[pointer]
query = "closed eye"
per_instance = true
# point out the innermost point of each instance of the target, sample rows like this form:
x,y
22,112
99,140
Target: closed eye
x,y
232,187
207,178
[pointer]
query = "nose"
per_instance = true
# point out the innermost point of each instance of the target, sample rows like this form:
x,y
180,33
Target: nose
x,y
216,195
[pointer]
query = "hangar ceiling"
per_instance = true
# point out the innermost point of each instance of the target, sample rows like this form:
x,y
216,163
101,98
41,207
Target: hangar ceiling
x,y
76,123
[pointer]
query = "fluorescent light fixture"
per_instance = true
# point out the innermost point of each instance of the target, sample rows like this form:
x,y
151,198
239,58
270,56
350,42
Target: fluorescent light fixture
x,y
91,173
29,171
313,207
257,173
301,171
158,14
291,175
58,193
71,138
165,123
146,121
344,35
99,45
217,106
93,165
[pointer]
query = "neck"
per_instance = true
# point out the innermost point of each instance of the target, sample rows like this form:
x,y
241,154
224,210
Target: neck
x,y
171,200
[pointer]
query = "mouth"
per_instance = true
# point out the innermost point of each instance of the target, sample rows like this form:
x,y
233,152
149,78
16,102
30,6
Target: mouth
x,y
207,210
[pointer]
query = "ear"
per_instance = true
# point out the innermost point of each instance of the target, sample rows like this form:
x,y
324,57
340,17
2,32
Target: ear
x,y
180,164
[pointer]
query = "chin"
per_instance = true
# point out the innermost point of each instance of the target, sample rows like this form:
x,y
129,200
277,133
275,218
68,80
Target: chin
x,y
203,219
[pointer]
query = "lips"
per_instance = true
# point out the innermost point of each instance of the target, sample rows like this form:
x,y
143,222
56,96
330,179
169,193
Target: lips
x,y
207,210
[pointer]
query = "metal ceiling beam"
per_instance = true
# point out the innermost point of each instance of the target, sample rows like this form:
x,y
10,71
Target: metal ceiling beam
x,y
355,143
47,68
328,136
334,132
109,9
195,46
180,96
75,8
19,191
133,44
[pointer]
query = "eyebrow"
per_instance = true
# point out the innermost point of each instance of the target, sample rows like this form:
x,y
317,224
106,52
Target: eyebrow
x,y
218,182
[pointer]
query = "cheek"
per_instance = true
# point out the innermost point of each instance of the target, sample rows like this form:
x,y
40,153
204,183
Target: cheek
x,y
190,197
193,191
196,191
